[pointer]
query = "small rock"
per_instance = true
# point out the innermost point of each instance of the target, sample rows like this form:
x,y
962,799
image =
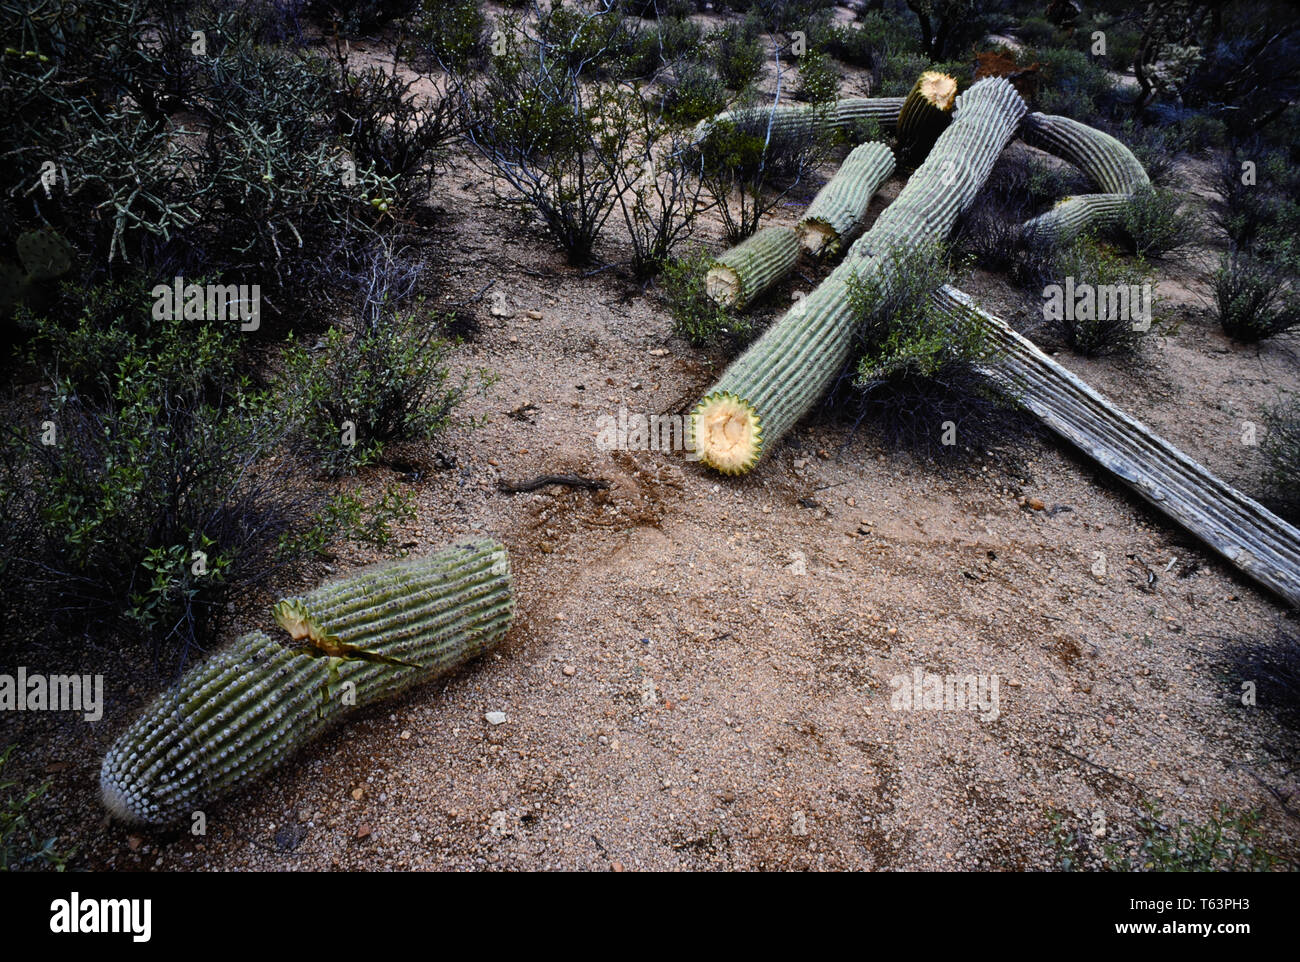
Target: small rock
x,y
358,792
405,736
616,867
535,315
569,671
495,718
363,831
1035,504
659,352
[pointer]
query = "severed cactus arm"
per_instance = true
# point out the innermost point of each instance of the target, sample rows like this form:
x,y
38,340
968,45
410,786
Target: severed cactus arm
x,y
1101,158
235,716
925,113
778,379
839,210
790,119
749,269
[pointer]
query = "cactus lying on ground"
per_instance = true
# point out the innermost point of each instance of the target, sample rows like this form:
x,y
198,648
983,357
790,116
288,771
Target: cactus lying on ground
x,y
843,116
743,273
1110,165
237,715
839,211
925,113
777,380
45,256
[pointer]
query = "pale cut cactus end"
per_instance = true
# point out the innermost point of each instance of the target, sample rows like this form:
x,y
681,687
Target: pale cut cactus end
x,y
727,433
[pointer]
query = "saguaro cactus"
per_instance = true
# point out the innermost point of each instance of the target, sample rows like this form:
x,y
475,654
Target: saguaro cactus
x,y
925,113
775,382
750,268
839,211
237,715
787,119
1105,161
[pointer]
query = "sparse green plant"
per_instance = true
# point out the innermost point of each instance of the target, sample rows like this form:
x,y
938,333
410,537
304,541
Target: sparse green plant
x,y
819,80
696,316
1096,327
739,52
1280,450
1155,222
21,847
1254,299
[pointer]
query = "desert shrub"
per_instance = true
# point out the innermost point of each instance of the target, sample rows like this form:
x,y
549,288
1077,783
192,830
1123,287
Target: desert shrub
x,y
454,32
21,846
648,50
819,80
1091,326
851,45
900,73
1253,299
165,492
739,51
747,169
695,93
780,15
1037,32
1280,450
696,316
543,129
356,16
890,34
586,38
1226,842
659,197
360,390
1155,222
1074,85
914,368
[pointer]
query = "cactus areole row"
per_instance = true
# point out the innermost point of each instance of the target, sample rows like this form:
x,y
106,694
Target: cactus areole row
x,y
243,711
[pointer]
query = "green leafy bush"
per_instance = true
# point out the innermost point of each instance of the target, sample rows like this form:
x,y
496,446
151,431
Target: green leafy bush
x,y
819,80
1155,222
1096,329
1254,299
739,51
696,93
359,391
454,32
696,316
20,845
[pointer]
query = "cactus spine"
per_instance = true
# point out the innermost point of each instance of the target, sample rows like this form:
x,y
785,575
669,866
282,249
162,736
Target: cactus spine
x,y
925,113
785,371
237,715
750,268
839,211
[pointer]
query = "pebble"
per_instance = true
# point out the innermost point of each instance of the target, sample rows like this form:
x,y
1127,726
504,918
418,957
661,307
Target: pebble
x,y
569,671
495,718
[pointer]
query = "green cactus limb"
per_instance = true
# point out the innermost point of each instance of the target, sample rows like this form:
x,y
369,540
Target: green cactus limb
x,y
748,270
778,379
246,709
1104,160
925,113
1073,215
790,119
839,211
44,254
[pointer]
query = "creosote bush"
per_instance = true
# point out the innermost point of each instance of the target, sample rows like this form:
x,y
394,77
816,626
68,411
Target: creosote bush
x,y
696,316
1155,222
359,391
915,372
1280,448
739,50
1254,299
1096,325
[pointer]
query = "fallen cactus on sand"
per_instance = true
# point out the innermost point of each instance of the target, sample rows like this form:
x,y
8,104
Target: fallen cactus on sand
x,y
839,211
247,708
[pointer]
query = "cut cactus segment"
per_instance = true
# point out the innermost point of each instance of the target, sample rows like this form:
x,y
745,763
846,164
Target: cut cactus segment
x,y
839,211
727,433
1073,215
783,374
842,116
246,709
744,273
925,113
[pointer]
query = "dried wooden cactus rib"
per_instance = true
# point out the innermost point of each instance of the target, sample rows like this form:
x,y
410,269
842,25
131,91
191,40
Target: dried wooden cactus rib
x,y
778,379
839,211
237,715
745,272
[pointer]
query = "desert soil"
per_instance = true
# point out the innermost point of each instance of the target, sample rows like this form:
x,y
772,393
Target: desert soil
x,y
699,674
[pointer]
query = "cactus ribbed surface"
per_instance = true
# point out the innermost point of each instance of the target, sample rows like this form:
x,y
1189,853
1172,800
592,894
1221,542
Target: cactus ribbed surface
x,y
778,379
839,211
925,113
1073,215
237,715
1105,161
840,115
743,273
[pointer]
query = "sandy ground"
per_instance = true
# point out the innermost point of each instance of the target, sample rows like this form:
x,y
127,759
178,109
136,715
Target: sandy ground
x,y
699,676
